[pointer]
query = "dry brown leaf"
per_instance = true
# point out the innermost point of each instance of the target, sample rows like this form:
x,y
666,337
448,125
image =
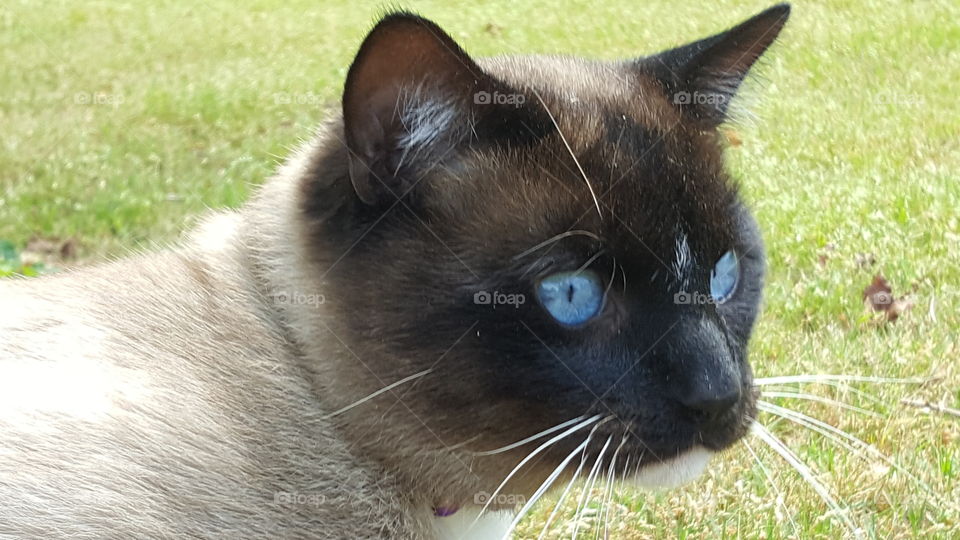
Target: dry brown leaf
x,y
878,297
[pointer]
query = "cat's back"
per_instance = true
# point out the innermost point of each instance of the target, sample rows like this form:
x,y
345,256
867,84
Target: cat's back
x,y
111,312
159,388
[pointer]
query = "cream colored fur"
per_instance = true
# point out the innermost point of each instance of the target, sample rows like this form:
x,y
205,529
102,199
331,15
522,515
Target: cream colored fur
x,y
163,396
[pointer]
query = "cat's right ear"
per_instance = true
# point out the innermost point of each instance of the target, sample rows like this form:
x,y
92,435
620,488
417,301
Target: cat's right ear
x,y
407,95
702,78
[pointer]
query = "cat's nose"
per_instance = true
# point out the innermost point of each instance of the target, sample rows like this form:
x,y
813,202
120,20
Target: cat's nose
x,y
706,376
710,400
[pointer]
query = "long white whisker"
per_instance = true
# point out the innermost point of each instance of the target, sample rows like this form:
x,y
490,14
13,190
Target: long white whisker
x,y
380,391
566,491
936,407
837,435
544,487
806,473
531,438
626,467
605,509
530,456
813,378
843,387
602,486
591,478
773,484
593,194
820,399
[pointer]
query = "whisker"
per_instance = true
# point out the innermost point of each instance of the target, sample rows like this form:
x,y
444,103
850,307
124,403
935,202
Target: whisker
x,y
378,392
844,387
544,487
605,509
557,238
624,273
626,467
593,194
610,281
566,490
773,484
806,473
813,378
530,456
587,264
623,479
820,399
936,407
837,435
591,479
531,438
602,485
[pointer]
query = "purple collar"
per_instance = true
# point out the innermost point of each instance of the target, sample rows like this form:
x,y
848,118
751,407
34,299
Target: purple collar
x,y
445,511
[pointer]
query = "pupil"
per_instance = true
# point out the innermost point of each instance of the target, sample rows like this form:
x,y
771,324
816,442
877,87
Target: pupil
x,y
570,291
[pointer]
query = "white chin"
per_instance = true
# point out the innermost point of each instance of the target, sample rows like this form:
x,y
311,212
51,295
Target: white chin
x,y
675,471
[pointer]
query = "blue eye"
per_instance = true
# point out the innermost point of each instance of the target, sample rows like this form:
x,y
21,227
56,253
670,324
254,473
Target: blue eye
x,y
571,297
724,277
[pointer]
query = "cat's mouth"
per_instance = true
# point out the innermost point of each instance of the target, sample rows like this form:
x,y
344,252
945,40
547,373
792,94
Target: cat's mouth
x,y
639,463
667,452
673,432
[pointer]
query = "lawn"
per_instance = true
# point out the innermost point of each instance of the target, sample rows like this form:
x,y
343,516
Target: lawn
x,y
123,121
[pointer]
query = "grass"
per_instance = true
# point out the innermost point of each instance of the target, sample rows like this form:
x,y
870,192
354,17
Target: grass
x,y
122,121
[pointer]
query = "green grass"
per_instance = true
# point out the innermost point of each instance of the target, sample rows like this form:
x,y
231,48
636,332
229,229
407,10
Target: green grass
x,y
124,121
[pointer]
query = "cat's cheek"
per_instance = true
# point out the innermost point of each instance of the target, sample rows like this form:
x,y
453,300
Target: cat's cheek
x,y
673,472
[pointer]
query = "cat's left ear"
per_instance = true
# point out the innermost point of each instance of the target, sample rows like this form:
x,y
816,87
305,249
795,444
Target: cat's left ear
x,y
406,97
701,78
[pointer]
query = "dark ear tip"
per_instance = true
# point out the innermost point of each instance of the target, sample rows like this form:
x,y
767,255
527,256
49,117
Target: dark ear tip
x,y
769,21
779,11
399,16
401,19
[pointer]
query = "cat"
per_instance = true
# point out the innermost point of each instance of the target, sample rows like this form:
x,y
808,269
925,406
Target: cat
x,y
478,276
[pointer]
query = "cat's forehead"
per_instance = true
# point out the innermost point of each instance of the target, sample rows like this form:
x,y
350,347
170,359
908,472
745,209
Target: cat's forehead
x,y
638,199
581,92
626,167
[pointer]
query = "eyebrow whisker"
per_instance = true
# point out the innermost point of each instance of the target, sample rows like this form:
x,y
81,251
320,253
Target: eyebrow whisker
x,y
590,261
557,238
593,194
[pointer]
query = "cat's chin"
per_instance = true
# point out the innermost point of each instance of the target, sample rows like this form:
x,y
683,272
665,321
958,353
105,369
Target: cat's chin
x,y
673,472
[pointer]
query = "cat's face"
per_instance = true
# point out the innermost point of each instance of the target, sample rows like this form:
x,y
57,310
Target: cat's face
x,y
553,238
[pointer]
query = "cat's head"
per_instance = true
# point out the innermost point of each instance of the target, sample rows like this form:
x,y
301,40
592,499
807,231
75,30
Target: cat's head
x,y
540,240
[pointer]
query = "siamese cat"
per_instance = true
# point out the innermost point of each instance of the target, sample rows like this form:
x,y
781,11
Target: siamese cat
x,y
480,275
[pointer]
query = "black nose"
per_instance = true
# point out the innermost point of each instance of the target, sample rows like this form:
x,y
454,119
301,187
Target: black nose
x,y
710,400
706,375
